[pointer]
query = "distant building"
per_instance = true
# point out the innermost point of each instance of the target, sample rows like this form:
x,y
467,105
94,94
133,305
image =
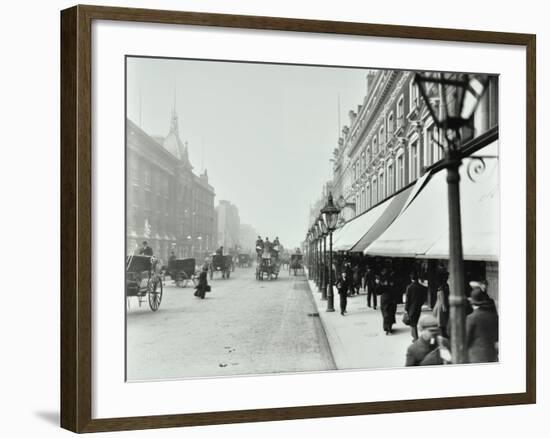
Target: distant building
x,y
247,238
167,204
229,224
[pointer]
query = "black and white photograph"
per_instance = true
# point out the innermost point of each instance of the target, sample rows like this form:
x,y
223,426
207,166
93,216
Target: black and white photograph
x,y
285,218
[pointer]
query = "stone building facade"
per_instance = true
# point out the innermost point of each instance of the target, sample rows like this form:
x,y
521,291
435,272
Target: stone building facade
x,y
167,204
391,139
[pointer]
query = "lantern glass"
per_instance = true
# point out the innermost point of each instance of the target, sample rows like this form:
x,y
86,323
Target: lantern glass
x,y
322,226
451,98
330,214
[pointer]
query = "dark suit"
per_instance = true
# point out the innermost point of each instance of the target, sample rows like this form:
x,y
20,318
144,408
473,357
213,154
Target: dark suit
x,y
343,285
146,251
416,295
371,288
482,333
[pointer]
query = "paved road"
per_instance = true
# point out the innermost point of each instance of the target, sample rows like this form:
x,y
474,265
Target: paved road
x,y
244,326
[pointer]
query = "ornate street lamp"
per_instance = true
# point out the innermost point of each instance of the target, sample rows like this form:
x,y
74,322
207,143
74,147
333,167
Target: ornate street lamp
x,y
452,99
313,251
317,234
324,232
330,217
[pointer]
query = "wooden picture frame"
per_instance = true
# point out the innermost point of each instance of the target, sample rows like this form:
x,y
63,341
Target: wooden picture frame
x,y
76,217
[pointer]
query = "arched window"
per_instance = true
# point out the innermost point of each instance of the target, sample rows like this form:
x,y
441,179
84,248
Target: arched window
x,y
391,125
368,194
400,171
381,136
375,146
400,112
413,161
390,178
415,102
381,186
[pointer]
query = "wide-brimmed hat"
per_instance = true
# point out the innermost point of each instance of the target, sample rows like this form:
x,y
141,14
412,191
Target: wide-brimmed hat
x,y
479,296
428,322
481,284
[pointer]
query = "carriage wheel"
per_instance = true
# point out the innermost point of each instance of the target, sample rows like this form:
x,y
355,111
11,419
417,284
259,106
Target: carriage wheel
x,y
155,294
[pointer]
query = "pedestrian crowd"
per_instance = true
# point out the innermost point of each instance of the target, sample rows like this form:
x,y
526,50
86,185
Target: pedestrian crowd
x,y
391,282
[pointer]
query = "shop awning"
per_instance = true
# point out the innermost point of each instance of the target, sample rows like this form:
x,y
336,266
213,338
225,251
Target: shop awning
x,y
386,218
355,229
422,228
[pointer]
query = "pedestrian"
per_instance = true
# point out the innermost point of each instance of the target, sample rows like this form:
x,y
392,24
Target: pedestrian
x,y
145,249
430,348
342,285
371,287
356,286
259,246
387,301
415,297
203,286
482,328
441,309
349,275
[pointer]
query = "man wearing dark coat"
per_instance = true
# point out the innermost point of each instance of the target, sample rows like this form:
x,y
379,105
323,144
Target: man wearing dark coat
x,y
146,249
482,328
371,287
202,287
430,348
343,285
416,295
259,246
387,301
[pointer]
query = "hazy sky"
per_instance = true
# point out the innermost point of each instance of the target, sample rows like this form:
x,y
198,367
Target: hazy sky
x,y
264,132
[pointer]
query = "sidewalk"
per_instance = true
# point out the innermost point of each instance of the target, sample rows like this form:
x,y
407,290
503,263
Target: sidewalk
x,y
357,339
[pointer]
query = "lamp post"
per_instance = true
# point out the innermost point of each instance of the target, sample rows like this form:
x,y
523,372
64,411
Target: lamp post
x,y
314,249
451,99
317,234
324,232
330,217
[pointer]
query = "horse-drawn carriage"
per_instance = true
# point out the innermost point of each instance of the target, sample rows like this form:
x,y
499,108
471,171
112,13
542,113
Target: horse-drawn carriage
x,y
143,280
244,261
183,271
221,263
296,264
267,268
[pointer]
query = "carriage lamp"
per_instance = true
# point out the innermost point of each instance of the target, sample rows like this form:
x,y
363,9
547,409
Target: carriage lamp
x,y
330,214
451,99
